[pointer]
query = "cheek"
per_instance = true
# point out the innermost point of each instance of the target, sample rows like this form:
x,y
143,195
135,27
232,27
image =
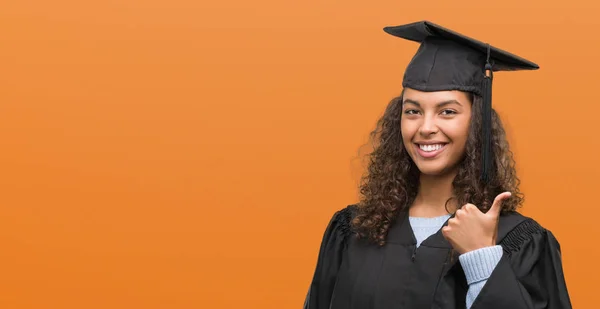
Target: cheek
x,y
408,131
459,133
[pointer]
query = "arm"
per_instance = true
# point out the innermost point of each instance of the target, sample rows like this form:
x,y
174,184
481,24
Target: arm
x,y
478,265
529,274
328,261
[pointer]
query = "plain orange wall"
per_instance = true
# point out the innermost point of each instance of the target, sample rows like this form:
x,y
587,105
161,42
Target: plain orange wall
x,y
183,154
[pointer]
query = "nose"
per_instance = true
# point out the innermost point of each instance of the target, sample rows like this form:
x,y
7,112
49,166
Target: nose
x,y
428,127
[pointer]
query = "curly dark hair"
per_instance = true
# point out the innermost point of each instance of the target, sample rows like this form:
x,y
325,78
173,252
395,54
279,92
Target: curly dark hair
x,y
391,181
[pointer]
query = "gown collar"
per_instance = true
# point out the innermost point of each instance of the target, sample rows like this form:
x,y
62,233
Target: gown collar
x,y
401,233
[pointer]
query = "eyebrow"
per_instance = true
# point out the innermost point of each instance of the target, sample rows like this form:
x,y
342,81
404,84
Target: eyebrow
x,y
440,104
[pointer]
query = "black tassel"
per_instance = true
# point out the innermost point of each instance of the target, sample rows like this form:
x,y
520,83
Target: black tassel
x,y
487,155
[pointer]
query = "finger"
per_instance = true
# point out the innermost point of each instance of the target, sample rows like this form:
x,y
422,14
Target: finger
x,y
497,205
446,231
452,221
470,207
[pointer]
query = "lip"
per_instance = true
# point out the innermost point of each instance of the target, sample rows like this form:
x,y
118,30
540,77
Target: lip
x,y
430,142
430,154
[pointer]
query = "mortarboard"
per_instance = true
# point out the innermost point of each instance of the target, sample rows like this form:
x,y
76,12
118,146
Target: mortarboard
x,y
447,60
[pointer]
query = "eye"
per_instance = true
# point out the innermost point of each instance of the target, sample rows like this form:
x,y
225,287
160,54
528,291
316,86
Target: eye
x,y
411,111
448,112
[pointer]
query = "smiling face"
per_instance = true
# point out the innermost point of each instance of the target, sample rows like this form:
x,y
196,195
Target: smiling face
x,y
435,127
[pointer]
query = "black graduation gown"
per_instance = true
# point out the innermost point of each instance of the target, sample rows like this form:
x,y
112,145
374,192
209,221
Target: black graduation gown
x,y
351,274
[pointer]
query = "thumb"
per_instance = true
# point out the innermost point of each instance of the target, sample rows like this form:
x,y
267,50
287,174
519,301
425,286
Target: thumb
x,y
497,205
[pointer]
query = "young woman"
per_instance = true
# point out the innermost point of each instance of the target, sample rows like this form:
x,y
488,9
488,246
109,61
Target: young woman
x,y
437,225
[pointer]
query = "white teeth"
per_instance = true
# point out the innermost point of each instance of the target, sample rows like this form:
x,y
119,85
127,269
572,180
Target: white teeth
x,y
430,147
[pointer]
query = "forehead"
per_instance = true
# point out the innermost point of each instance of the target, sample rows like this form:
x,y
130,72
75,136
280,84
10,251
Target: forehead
x,y
434,97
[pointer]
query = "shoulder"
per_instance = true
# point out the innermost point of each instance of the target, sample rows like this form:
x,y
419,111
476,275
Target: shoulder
x,y
339,229
340,222
516,231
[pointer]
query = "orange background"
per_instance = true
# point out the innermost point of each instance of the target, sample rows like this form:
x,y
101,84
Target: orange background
x,y
185,154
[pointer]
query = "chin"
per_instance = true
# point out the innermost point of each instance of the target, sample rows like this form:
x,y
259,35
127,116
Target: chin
x,y
433,170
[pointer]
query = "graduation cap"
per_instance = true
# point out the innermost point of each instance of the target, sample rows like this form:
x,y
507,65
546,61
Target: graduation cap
x,y
447,60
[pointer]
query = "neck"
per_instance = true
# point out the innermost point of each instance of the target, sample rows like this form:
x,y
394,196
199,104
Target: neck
x,y
433,193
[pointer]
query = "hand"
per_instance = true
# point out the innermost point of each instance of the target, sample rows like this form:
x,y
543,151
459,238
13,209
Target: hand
x,y
471,229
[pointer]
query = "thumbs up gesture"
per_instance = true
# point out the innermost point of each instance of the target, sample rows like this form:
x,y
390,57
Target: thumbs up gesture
x,y
471,229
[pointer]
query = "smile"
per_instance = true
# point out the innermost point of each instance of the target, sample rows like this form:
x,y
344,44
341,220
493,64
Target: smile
x,y
430,148
430,151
